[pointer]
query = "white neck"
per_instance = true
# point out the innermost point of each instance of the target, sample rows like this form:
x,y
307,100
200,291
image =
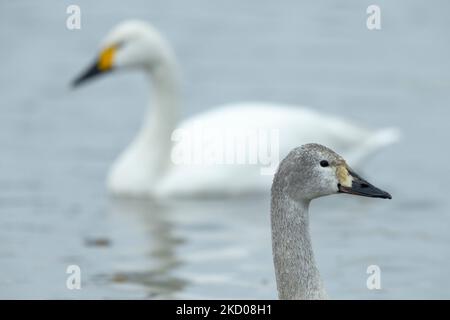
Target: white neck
x,y
297,275
146,159
161,117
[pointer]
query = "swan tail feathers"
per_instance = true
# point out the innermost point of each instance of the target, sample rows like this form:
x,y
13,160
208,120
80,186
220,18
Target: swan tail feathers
x,y
378,140
385,137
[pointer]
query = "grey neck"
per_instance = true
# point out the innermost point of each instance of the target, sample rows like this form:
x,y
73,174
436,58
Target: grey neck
x,y
296,272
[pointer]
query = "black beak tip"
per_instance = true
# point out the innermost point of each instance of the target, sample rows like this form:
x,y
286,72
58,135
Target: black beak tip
x,y
387,196
381,194
92,72
84,78
75,83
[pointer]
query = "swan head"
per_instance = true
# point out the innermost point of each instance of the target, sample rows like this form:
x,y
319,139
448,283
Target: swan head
x,y
313,171
132,44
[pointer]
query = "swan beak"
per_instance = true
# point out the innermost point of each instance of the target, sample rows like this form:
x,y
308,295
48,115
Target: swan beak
x,y
102,65
361,187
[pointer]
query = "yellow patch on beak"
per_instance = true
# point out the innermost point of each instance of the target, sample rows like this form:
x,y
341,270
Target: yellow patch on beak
x,y
106,59
344,177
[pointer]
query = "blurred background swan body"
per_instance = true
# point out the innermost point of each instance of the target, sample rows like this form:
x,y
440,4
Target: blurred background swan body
x,y
145,167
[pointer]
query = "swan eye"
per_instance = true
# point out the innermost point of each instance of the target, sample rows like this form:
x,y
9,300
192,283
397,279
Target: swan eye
x,y
324,163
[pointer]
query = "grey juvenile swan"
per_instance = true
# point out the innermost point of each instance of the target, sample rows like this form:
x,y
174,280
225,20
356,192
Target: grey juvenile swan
x,y
308,172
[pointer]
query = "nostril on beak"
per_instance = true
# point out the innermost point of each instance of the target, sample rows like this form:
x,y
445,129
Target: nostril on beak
x,y
364,185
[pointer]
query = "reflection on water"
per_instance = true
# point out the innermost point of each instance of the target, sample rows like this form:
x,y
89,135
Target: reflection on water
x,y
215,248
155,219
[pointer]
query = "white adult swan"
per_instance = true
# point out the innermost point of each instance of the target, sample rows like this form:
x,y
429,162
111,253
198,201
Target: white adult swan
x,y
145,167
308,172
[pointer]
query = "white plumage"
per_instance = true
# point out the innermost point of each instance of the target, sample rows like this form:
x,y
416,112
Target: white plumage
x,y
146,167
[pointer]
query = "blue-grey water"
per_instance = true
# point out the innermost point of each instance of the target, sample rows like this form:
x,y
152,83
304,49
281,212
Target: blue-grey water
x,y
57,145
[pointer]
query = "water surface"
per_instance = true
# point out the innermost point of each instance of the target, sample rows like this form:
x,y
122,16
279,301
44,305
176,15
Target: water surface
x,y
57,145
